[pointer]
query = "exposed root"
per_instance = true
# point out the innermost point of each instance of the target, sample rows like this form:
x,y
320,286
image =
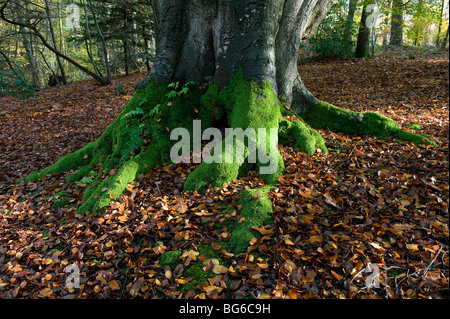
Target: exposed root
x,y
256,209
322,115
250,107
302,136
99,197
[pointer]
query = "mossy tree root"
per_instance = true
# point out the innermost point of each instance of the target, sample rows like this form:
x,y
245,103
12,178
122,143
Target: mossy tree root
x,y
322,115
101,163
256,209
250,108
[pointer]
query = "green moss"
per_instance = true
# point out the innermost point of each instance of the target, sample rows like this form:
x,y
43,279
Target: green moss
x,y
305,138
322,115
413,126
82,172
211,110
109,148
60,202
326,116
414,138
248,105
195,270
147,98
377,125
112,187
170,258
257,212
215,174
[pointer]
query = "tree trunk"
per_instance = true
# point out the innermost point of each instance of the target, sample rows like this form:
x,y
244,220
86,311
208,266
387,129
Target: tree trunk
x,y
26,38
363,44
156,6
438,37
353,4
418,25
397,22
52,34
444,42
9,62
104,51
201,40
28,45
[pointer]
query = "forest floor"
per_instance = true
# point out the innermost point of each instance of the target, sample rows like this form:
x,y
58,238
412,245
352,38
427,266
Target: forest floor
x,y
370,211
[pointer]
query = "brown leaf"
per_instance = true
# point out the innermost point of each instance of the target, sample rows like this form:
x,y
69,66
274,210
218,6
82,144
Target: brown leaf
x,y
114,285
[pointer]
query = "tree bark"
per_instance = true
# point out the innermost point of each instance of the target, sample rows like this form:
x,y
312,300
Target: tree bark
x,y
104,51
52,34
438,37
397,22
363,44
353,4
444,42
30,56
204,40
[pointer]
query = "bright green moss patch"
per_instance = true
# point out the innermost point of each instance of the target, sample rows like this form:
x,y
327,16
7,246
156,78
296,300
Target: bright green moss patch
x,y
112,187
322,115
414,138
132,145
248,106
256,209
304,137
215,174
326,116
82,172
413,126
170,258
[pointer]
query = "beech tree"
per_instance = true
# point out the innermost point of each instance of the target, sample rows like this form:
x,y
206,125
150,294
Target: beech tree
x,y
229,64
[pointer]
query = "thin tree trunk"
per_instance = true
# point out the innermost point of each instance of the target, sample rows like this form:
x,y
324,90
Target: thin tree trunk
x,y
438,37
363,44
125,41
397,22
156,6
9,62
61,39
28,45
104,51
444,42
417,25
350,17
52,34
88,42
31,58
144,36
